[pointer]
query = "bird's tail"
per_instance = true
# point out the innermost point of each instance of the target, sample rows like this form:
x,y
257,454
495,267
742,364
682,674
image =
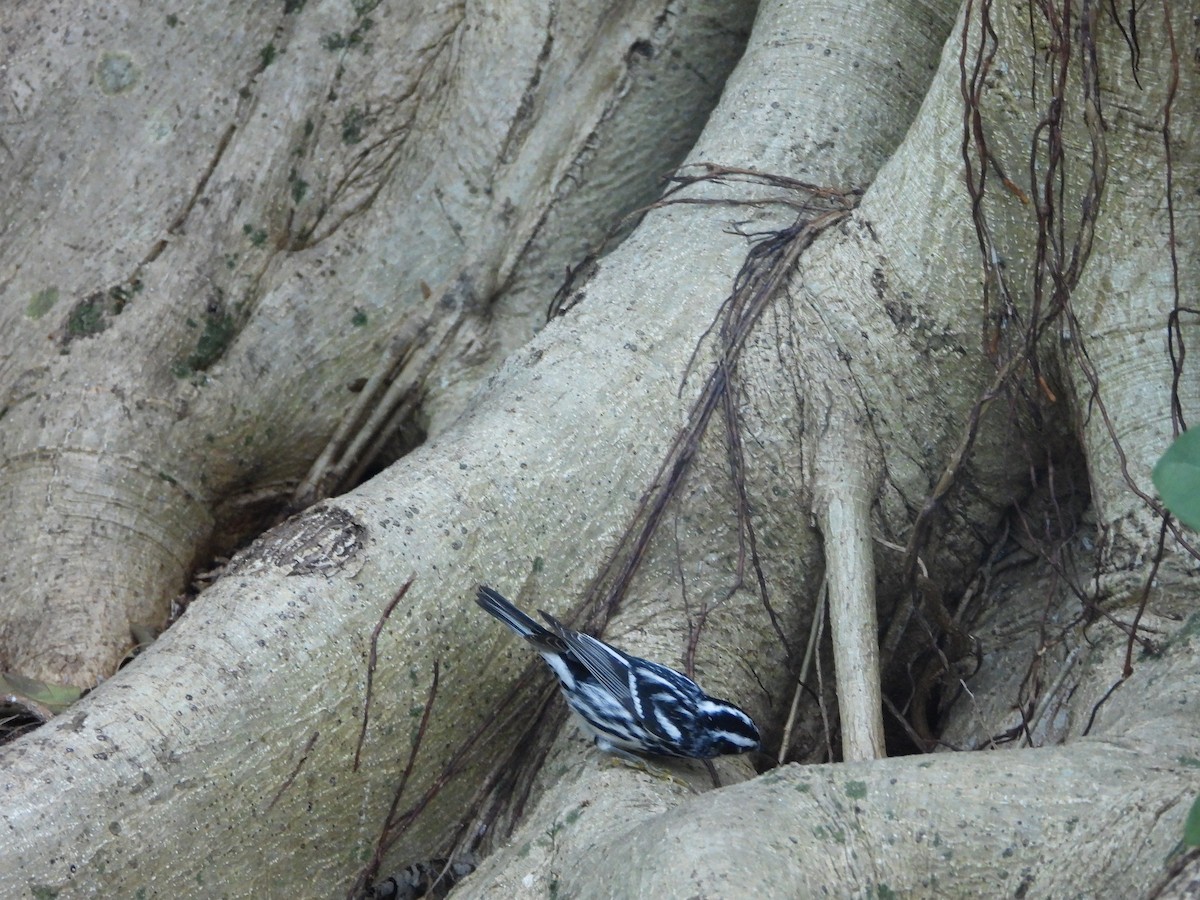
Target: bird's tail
x,y
496,604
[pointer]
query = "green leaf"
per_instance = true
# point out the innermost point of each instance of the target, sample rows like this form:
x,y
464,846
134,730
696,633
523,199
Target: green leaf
x,y
1177,477
1191,828
40,697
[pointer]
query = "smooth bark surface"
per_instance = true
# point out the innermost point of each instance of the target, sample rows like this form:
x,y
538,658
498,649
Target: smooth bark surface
x,y
307,205
223,756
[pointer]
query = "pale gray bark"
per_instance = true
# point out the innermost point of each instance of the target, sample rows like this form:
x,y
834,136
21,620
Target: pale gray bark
x,y
971,825
213,200
222,756
859,829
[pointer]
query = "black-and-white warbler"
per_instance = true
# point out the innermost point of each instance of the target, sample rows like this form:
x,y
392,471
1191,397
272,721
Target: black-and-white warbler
x,y
627,703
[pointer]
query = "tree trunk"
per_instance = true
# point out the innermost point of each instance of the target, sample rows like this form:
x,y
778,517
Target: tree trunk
x,y
289,221
853,378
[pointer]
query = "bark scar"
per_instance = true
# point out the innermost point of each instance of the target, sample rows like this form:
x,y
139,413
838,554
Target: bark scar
x,y
319,541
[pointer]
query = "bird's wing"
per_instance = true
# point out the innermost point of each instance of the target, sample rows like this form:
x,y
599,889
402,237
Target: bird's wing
x,y
608,665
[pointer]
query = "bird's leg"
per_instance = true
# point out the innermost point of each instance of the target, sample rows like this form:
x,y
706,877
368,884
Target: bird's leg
x,y
618,756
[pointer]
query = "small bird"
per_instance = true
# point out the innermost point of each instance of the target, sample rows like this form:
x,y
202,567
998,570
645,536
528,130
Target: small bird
x,y
627,703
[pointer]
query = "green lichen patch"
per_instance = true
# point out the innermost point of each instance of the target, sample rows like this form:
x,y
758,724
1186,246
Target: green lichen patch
x,y
94,313
217,330
355,124
257,235
87,317
334,41
42,302
299,186
116,72
856,790
355,39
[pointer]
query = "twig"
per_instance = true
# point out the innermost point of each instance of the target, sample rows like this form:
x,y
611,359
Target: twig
x,y
312,742
386,836
813,631
362,734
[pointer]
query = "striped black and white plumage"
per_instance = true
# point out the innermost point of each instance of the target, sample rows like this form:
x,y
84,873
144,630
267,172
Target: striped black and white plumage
x,y
627,703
